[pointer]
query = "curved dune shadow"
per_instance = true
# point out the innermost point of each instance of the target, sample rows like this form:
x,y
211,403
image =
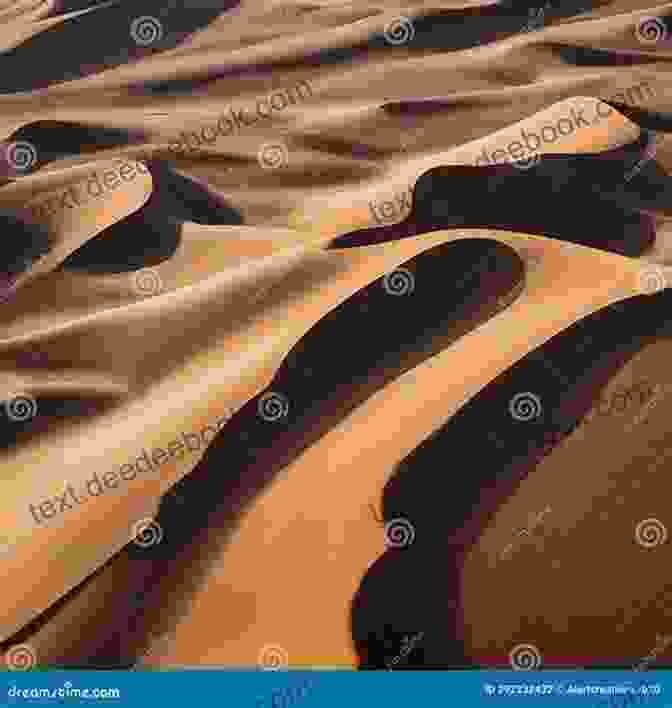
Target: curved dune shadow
x,y
459,29
21,245
152,234
476,279
440,30
591,56
535,200
103,38
50,140
449,487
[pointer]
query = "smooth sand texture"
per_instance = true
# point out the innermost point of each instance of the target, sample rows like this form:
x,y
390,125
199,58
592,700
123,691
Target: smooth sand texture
x,y
232,299
200,389
586,567
289,531
292,533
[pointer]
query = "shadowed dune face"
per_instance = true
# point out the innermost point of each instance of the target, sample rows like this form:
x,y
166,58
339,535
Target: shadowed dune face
x,y
414,310
307,222
535,201
446,493
151,235
51,140
105,35
24,243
